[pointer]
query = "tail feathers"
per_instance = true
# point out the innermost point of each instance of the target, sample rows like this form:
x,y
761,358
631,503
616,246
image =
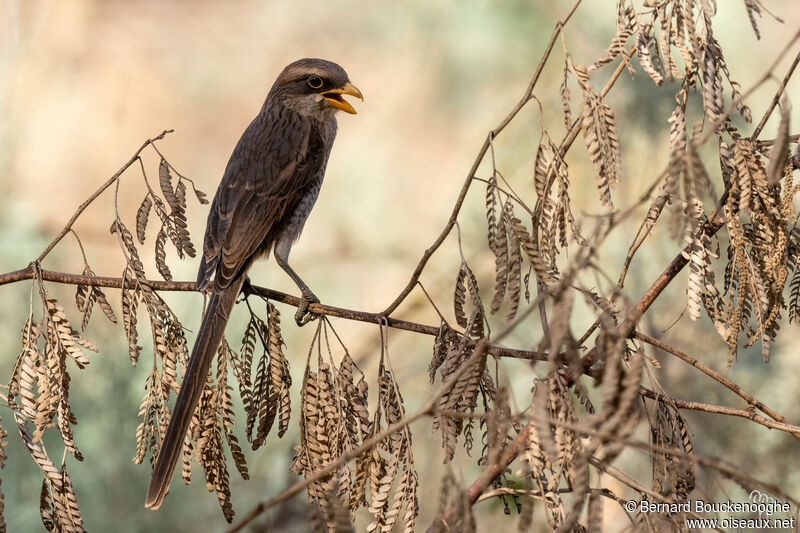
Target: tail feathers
x,y
208,339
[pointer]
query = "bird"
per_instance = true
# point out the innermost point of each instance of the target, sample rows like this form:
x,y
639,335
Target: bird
x,y
267,191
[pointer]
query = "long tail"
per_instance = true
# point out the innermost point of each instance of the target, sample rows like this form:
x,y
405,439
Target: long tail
x,y
214,321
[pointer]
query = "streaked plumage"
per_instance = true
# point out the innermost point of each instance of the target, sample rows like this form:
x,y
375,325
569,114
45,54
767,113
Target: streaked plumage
x,y
270,184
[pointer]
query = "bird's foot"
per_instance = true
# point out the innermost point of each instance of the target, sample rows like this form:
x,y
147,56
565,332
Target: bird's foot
x,y
247,288
303,316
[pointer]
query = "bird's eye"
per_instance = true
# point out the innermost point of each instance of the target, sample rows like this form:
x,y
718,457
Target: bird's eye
x,y
314,82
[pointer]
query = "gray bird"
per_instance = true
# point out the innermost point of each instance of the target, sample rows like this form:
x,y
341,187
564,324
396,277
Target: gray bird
x,y
270,185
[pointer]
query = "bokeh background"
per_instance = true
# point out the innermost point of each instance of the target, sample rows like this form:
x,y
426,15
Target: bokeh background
x,y
84,83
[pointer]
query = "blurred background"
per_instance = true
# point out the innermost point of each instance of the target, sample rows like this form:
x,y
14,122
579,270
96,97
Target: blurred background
x,y
84,83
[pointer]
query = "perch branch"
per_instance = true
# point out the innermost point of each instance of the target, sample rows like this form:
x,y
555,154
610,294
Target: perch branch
x,y
276,296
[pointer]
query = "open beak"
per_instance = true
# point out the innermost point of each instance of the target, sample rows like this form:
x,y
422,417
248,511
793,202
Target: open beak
x,y
334,97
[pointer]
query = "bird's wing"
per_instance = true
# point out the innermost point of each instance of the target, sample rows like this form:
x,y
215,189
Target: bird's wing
x,y
275,162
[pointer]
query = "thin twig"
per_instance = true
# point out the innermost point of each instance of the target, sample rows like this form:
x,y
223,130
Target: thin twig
x,y
778,93
716,376
769,142
97,193
526,97
750,414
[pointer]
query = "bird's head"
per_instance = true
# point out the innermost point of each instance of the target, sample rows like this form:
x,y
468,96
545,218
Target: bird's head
x,y
315,88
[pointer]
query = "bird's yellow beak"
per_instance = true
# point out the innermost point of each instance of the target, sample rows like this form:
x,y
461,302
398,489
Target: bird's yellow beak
x,y
334,97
